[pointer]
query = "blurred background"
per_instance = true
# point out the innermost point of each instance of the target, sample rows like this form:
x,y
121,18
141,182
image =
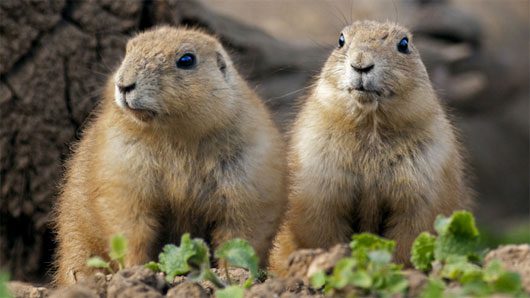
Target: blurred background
x,y
55,56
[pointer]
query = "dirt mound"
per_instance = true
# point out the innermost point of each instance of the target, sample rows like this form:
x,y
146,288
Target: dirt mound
x,y
141,282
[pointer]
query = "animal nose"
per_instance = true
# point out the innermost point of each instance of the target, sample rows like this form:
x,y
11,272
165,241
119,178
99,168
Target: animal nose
x,y
127,89
363,69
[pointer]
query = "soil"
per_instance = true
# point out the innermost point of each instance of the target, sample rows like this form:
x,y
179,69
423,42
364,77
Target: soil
x,y
141,282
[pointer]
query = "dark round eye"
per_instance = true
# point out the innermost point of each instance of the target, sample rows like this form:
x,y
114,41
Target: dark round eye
x,y
187,61
403,45
341,40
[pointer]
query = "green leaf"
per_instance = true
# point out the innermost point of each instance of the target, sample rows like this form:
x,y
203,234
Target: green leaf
x,y
230,292
248,283
205,273
441,224
435,288
318,280
477,288
508,282
493,270
370,269
97,262
457,235
459,269
118,249
153,266
423,251
342,273
191,254
174,261
239,253
396,283
4,291
364,243
472,276
380,257
361,279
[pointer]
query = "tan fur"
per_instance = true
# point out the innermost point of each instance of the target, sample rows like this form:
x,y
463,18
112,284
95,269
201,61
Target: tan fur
x,y
385,163
197,152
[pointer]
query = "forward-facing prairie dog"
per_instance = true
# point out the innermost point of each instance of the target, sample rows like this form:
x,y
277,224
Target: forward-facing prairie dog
x,y
180,144
372,149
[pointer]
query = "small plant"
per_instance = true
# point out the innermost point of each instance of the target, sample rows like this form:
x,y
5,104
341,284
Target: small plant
x,y
239,253
192,257
369,270
454,255
4,291
117,253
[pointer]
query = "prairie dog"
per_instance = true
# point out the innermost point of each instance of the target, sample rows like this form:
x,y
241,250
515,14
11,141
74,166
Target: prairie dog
x,y
372,149
180,144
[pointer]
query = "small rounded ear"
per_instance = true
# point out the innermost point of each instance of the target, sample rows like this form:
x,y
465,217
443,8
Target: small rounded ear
x,y
221,63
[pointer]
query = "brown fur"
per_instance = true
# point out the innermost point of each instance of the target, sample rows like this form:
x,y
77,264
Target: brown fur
x,y
386,162
197,152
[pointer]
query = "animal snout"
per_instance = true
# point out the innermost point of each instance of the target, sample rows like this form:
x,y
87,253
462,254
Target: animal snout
x,y
364,68
126,89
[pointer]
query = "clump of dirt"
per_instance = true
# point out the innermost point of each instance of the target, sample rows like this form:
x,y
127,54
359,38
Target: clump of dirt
x,y
282,287
327,260
94,286
141,282
300,261
188,289
132,281
21,289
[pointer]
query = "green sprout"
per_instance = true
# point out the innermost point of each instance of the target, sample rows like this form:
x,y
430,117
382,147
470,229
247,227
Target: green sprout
x,y
117,253
192,257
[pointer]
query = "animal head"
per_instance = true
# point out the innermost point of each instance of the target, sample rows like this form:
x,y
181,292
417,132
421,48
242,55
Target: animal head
x,y
171,74
373,64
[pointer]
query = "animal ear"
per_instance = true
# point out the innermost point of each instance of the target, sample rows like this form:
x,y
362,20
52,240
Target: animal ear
x,y
221,63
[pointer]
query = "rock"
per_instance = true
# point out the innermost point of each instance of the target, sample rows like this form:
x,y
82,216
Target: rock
x,y
25,290
515,258
187,289
279,287
136,282
93,286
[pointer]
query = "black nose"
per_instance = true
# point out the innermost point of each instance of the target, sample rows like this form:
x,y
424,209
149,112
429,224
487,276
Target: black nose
x,y
363,69
127,89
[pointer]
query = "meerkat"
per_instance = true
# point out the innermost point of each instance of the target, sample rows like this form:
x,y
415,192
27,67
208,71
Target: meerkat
x,y
179,144
372,149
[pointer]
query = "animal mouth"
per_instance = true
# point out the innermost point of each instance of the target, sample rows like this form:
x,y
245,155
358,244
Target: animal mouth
x,y
142,114
362,90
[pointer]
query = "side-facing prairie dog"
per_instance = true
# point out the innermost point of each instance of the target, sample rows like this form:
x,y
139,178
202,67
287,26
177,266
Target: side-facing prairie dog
x,y
180,144
372,149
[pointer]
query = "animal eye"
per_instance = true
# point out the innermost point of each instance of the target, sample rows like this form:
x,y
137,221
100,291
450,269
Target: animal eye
x,y
341,40
403,45
187,61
